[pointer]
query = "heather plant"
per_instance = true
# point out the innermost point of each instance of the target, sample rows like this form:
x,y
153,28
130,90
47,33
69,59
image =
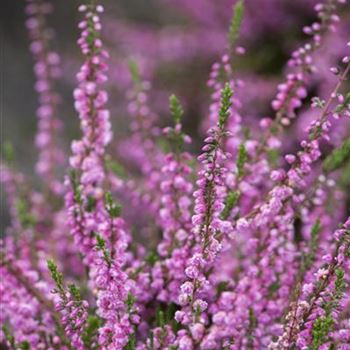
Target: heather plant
x,y
244,246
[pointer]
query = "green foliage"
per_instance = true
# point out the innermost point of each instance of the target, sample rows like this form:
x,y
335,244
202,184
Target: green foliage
x,y
130,301
222,287
8,336
8,152
151,258
101,245
345,176
25,217
60,289
131,345
114,209
134,71
321,328
197,312
56,275
339,287
92,34
338,158
174,135
175,109
151,346
164,315
24,345
91,331
246,132
252,325
59,282
115,168
230,202
74,291
160,319
91,204
273,156
323,325
273,288
163,143
161,322
346,240
241,160
225,105
316,228
170,312
236,21
74,180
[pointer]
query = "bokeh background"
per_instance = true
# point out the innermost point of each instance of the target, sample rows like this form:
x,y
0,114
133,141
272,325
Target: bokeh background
x,y
175,43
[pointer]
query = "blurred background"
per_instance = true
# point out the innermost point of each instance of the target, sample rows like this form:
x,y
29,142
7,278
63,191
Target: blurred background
x,y
174,42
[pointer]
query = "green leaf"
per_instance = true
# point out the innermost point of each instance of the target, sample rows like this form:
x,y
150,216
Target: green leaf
x,y
170,312
131,345
24,215
230,202
273,288
252,326
74,291
320,331
8,335
175,109
151,346
236,21
164,145
8,152
74,180
160,319
134,71
91,331
316,228
225,105
273,156
345,176
152,258
56,275
222,286
241,160
323,325
340,285
24,345
91,204
116,168
338,158
114,209
130,301
101,245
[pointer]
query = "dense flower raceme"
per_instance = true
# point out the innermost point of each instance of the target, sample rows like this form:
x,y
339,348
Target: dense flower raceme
x,y
243,247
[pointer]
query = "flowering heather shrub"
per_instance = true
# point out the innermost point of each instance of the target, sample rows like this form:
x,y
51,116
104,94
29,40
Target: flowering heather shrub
x,y
244,246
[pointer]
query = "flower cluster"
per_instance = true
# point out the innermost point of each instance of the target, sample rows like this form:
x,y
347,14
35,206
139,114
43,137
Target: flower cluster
x,y
245,246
